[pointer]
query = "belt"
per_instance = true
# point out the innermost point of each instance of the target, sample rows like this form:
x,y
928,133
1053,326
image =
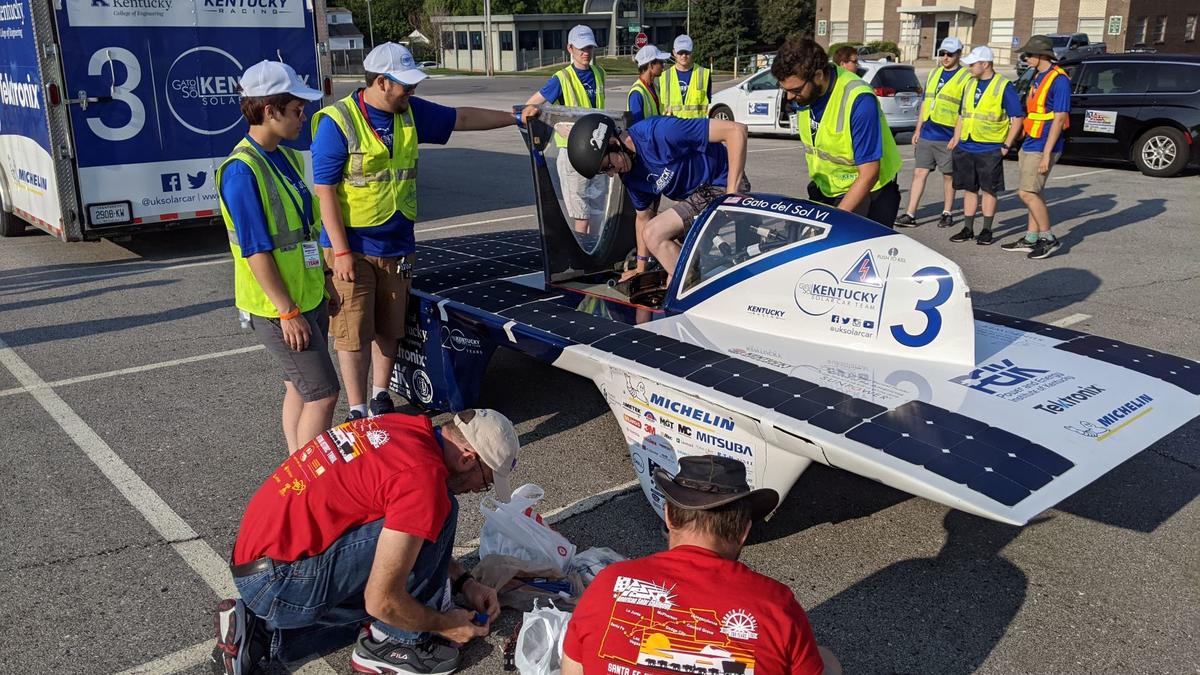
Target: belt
x,y
254,566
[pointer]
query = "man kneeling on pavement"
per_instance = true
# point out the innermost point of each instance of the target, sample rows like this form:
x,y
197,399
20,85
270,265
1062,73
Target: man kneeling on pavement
x,y
358,526
687,589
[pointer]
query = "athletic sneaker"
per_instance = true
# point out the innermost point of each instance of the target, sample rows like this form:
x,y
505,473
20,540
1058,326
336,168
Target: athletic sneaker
x,y
391,656
354,415
381,404
984,238
1021,245
906,220
1044,248
946,220
965,234
242,639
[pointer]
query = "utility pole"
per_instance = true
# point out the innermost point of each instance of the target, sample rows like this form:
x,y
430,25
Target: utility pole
x,y
687,28
371,25
487,37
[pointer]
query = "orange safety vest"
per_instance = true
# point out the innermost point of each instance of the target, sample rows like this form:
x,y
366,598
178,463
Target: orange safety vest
x,y
1037,118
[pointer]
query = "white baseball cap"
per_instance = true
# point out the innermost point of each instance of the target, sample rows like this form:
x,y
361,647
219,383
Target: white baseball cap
x,y
683,43
951,44
268,78
650,53
494,439
395,62
581,36
981,53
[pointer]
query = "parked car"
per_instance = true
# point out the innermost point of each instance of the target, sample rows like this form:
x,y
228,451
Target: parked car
x,y
758,102
427,64
1139,108
1069,46
866,53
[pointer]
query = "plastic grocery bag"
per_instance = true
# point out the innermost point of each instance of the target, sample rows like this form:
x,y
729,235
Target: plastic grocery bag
x,y
515,529
540,642
588,564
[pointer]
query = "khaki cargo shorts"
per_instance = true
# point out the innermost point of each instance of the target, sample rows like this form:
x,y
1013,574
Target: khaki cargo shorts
x,y
374,305
1031,180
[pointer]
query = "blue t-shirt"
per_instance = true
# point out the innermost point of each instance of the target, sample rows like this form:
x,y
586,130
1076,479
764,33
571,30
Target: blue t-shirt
x,y
239,193
552,90
1010,101
685,79
932,131
1059,100
864,123
637,106
674,158
434,124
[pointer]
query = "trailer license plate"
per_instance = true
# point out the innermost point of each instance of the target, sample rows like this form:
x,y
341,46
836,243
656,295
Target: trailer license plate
x,y
112,213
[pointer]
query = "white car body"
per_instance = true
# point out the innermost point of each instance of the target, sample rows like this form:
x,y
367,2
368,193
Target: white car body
x,y
758,101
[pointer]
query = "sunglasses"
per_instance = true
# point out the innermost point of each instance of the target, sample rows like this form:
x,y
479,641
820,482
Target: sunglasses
x,y
946,53
684,53
408,88
487,484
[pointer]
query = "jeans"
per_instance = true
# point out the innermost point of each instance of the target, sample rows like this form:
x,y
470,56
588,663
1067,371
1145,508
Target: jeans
x,y
316,605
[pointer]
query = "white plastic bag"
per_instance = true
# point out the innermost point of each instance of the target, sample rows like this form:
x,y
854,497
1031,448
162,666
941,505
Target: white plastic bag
x,y
588,564
540,642
515,529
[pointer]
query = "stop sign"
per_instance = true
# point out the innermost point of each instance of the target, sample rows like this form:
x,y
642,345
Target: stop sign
x,y
641,40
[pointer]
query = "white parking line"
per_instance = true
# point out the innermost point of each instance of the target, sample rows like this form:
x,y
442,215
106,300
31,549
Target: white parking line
x,y
134,369
782,147
1070,320
1077,175
478,222
173,663
117,272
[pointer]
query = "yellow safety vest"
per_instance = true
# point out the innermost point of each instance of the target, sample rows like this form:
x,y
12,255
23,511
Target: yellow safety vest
x,y
941,106
674,103
306,285
987,122
830,156
575,96
375,183
649,103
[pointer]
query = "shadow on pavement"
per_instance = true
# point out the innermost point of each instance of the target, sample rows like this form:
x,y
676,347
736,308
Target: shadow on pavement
x,y
1043,293
943,614
542,401
77,329
825,495
25,304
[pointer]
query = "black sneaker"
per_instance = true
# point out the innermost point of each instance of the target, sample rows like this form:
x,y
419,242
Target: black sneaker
x,y
1021,245
242,639
984,238
965,234
946,220
390,656
381,405
1044,248
906,220
354,415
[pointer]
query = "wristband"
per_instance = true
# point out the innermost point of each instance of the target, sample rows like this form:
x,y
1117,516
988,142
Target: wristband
x,y
643,258
338,254
288,316
461,581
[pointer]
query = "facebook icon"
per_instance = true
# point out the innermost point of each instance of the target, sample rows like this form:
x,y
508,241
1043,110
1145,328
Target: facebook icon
x,y
170,182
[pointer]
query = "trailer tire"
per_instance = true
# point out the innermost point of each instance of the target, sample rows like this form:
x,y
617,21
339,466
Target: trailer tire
x,y
10,225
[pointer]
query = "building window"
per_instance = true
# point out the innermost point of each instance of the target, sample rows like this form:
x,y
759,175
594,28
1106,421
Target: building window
x,y
839,31
1160,29
552,39
1002,32
872,31
460,39
447,39
1139,30
1045,26
527,39
1092,27
506,43
1189,28
477,40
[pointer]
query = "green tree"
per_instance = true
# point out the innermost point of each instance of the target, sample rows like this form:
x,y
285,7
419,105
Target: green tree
x,y
390,19
778,19
719,28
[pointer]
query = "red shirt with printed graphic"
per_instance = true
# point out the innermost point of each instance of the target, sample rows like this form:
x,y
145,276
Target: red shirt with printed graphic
x,y
690,610
388,467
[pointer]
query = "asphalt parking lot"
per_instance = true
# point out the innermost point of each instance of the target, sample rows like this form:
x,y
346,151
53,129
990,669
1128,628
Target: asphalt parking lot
x,y
139,419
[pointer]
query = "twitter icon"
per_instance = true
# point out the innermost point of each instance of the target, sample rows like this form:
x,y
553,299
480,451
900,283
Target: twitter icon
x,y
197,181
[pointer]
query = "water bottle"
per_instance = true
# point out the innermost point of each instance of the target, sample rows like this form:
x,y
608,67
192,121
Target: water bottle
x,y
244,320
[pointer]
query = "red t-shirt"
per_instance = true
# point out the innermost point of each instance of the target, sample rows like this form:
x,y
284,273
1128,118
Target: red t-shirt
x,y
388,467
690,610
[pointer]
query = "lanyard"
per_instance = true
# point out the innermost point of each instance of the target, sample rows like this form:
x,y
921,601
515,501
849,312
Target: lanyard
x,y
362,105
305,211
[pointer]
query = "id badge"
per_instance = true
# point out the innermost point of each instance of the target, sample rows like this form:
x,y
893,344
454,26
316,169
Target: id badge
x,y
312,254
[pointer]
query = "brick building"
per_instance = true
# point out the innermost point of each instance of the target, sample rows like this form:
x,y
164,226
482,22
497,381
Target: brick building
x,y
918,26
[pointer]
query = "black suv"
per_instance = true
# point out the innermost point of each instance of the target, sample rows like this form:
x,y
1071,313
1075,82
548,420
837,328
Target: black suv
x,y
1140,108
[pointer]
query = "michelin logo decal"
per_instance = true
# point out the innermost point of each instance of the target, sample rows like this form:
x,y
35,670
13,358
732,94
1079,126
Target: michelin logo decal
x,y
684,410
1112,421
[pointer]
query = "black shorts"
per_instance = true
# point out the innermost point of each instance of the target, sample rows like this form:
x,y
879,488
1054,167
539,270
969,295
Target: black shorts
x,y
976,171
881,205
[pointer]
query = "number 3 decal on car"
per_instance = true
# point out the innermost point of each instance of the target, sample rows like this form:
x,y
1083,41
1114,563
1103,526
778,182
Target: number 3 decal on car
x,y
933,318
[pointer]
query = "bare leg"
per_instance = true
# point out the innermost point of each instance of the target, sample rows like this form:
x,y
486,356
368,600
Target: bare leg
x,y
971,203
315,417
989,204
292,407
916,190
661,232
581,225
1039,216
354,375
383,361
948,190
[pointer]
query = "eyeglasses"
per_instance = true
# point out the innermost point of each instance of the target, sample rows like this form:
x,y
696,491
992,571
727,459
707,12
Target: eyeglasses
x,y
486,484
408,88
798,92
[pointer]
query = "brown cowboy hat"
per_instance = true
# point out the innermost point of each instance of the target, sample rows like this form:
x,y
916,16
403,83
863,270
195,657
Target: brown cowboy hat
x,y
708,481
1038,45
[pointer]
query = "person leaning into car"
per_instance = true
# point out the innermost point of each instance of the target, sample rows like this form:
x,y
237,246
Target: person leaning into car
x,y
851,155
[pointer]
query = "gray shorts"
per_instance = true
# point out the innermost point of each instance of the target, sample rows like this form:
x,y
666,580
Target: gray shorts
x,y
695,203
933,155
582,197
310,371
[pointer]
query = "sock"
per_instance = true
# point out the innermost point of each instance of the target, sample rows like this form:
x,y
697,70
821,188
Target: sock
x,y
360,408
1046,236
987,222
1031,237
378,635
376,391
969,222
